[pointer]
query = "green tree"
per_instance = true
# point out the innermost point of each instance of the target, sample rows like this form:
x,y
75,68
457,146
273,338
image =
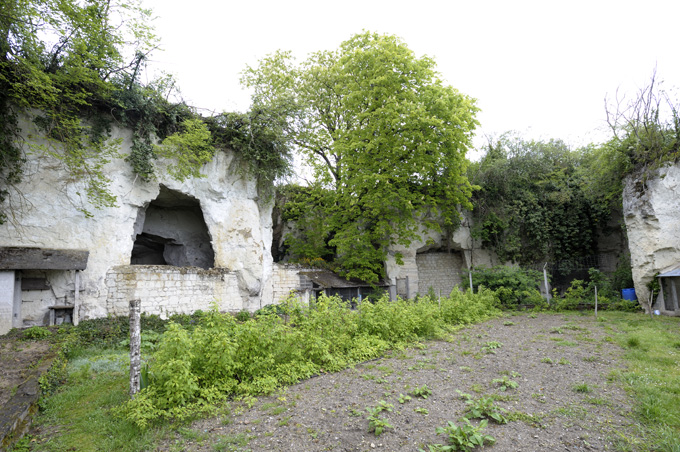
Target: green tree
x,y
385,137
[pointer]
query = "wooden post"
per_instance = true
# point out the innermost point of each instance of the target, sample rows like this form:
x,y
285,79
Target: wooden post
x,y
135,346
547,288
470,275
595,302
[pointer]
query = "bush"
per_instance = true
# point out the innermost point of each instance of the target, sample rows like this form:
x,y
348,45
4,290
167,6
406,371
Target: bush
x,y
35,333
513,285
221,357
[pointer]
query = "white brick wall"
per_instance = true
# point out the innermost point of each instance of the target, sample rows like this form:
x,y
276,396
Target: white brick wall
x,y
166,290
286,279
441,271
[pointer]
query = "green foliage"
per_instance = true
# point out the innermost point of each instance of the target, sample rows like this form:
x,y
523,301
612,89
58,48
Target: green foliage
x,y
385,138
485,408
222,357
243,316
73,68
531,206
513,285
35,333
377,424
423,392
504,383
463,437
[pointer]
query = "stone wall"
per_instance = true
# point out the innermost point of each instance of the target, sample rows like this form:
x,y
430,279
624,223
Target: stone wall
x,y
651,210
440,270
286,280
165,290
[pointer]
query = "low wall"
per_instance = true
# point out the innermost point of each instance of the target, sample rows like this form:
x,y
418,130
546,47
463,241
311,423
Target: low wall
x,y
286,279
165,290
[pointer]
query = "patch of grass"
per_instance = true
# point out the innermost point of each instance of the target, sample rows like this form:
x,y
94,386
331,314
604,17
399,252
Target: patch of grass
x,y
651,376
546,360
84,407
533,420
582,388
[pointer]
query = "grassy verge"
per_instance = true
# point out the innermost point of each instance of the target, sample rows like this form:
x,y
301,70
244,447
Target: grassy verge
x,y
652,376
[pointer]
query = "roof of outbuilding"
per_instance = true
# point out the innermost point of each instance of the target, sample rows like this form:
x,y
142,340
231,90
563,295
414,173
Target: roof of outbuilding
x,y
674,272
26,258
327,279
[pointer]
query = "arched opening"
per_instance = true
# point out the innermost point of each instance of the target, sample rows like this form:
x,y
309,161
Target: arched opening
x,y
172,231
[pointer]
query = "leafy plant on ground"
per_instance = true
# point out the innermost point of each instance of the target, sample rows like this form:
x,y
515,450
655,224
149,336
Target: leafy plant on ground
x,y
377,424
35,333
505,383
463,437
491,346
423,392
485,408
404,398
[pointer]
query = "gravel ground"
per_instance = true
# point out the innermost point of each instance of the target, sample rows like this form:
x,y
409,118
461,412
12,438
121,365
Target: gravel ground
x,y
563,400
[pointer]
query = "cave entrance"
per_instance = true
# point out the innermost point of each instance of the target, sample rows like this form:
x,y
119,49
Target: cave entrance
x,y
172,231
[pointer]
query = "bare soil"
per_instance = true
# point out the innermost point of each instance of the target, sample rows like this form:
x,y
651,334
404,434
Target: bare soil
x,y
563,400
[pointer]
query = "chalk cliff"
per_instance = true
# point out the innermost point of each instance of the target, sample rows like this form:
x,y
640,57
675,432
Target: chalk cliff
x,y
219,221
651,210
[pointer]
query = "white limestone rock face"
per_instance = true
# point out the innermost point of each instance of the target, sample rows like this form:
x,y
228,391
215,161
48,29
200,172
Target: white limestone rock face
x,y
652,217
47,214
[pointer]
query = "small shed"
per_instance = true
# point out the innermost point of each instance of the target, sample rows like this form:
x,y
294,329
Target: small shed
x,y
669,296
26,293
330,284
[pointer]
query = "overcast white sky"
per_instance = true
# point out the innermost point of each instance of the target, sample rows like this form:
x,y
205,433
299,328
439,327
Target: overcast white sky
x,y
542,68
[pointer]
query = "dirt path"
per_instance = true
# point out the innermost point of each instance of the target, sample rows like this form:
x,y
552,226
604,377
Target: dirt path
x,y
563,400
17,358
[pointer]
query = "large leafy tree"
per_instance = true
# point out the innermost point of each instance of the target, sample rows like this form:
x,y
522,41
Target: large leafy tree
x,y
385,137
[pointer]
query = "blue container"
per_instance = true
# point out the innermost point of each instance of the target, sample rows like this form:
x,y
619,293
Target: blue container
x,y
628,294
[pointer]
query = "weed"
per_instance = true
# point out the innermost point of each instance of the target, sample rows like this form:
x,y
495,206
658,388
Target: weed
x,y
582,388
404,398
563,362
376,423
464,437
491,346
465,368
538,397
35,333
421,411
422,391
508,323
283,422
533,420
546,360
505,383
232,442
485,408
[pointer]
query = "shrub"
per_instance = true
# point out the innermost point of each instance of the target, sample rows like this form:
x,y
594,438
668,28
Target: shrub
x,y
220,357
513,285
35,333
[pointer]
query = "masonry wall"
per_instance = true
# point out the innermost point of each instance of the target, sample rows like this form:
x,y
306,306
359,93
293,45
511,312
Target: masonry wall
x,y
165,290
439,270
286,280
